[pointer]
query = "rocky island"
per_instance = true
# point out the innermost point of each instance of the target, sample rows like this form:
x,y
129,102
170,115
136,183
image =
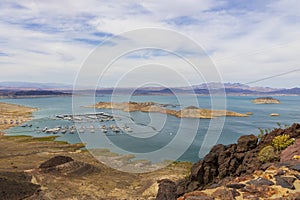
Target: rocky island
x,y
188,112
265,100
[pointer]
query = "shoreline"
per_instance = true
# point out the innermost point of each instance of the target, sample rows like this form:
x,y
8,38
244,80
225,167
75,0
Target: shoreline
x,y
12,115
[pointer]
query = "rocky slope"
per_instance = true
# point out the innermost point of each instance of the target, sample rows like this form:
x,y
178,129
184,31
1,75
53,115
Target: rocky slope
x,y
189,112
235,172
40,168
265,100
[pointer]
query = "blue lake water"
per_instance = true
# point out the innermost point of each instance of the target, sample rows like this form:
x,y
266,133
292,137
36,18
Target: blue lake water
x,y
136,143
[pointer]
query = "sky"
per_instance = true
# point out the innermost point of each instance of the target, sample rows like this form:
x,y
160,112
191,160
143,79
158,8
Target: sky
x,y
246,41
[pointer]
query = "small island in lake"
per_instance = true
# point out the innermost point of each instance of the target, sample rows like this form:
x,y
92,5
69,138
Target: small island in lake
x,y
265,100
188,112
274,114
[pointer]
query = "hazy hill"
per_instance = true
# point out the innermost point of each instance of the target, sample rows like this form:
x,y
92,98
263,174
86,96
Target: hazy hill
x,y
201,89
11,85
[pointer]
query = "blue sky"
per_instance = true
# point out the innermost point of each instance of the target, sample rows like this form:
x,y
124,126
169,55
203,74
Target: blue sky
x,y
48,41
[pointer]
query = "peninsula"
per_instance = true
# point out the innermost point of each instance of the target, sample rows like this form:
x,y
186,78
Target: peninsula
x,y
188,112
13,115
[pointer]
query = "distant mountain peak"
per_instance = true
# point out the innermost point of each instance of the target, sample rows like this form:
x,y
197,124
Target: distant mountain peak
x,y
18,85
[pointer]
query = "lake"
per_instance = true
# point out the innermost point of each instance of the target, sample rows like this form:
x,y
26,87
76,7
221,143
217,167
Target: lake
x,y
152,132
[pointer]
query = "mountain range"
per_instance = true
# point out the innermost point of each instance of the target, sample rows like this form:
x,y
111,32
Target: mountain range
x,y
13,85
201,89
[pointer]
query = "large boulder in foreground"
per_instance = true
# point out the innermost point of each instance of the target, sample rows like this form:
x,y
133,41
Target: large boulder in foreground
x,y
226,162
222,161
167,190
246,143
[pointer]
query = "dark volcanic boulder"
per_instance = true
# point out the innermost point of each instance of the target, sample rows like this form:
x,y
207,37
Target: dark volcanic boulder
x,y
296,167
57,160
285,182
207,169
167,189
260,181
250,163
246,143
185,186
227,163
236,185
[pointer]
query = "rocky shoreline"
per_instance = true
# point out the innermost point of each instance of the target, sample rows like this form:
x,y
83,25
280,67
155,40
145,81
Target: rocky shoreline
x,y
188,112
235,171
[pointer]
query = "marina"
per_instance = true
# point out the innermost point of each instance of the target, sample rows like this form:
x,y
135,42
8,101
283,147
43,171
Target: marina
x,y
98,117
79,125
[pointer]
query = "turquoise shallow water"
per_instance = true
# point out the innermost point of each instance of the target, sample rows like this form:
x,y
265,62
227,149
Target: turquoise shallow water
x,y
234,127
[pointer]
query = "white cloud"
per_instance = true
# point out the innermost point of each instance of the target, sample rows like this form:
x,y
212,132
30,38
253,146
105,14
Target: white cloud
x,y
48,40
